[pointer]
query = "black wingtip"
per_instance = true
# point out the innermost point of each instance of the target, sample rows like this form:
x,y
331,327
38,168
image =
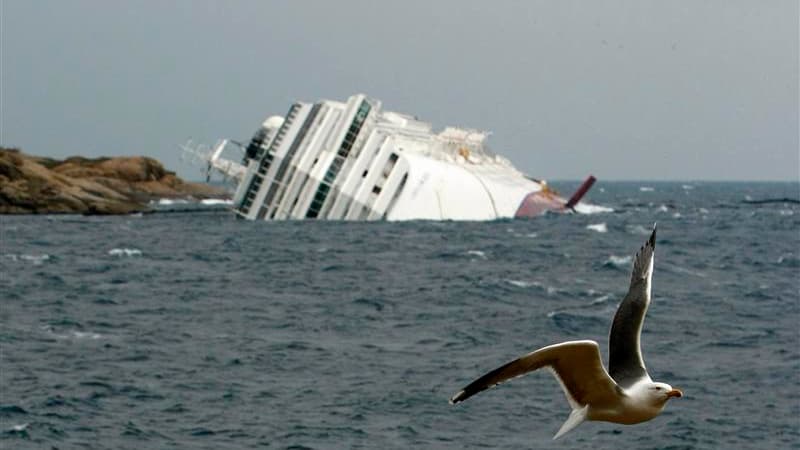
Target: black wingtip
x,y
457,398
652,240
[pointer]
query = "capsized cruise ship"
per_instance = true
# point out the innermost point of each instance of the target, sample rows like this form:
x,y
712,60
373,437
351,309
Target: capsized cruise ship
x,y
355,161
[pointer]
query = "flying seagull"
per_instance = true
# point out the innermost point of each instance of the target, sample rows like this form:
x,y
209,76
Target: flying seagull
x,y
623,394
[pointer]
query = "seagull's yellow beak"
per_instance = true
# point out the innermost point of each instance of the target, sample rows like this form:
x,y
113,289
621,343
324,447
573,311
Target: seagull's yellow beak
x,y
675,393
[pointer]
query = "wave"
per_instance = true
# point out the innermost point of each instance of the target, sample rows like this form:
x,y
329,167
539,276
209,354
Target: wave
x,y
550,290
216,201
679,269
575,323
477,253
74,334
523,284
7,410
125,252
618,262
599,227
585,208
171,201
18,428
33,259
638,229
789,259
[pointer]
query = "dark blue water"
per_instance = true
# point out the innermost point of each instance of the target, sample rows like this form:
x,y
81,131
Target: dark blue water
x,y
196,330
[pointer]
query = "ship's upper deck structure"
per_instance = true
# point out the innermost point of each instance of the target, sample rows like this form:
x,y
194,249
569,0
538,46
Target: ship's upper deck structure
x,y
353,161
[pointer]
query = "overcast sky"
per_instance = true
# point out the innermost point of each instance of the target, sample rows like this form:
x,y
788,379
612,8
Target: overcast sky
x,y
632,89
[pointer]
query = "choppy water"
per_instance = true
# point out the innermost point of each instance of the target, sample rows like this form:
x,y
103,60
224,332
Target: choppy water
x,y
196,330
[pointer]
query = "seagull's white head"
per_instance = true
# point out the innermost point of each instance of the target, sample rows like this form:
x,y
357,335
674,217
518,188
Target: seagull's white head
x,y
659,393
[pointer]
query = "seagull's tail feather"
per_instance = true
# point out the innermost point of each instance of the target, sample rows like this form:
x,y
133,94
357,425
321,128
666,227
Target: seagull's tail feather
x,y
576,417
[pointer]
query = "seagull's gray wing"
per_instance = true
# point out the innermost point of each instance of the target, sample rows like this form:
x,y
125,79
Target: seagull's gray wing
x,y
576,364
625,363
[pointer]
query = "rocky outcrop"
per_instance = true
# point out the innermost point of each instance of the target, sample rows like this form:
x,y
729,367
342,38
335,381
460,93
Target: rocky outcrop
x,y
120,185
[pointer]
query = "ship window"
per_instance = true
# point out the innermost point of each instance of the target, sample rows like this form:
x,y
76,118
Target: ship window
x,y
396,195
262,212
341,154
364,175
376,189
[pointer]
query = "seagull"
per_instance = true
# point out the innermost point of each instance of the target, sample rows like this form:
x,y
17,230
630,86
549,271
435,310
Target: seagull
x,y
624,393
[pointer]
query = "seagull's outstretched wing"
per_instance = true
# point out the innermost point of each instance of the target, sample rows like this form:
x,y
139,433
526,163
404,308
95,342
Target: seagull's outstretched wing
x,y
625,363
576,364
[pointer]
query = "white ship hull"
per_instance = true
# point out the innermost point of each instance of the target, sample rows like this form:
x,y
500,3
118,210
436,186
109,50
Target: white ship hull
x,y
353,161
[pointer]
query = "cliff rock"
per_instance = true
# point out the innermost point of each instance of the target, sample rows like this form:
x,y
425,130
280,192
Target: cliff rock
x,y
120,185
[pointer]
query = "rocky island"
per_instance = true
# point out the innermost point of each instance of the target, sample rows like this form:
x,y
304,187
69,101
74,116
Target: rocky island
x,y
77,185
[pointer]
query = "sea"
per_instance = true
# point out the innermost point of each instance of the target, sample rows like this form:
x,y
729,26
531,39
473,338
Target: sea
x,y
189,328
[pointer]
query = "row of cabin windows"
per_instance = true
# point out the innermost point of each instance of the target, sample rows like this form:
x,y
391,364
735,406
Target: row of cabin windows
x,y
341,155
266,159
255,144
278,180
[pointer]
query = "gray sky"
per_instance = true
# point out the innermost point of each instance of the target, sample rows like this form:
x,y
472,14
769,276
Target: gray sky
x,y
622,89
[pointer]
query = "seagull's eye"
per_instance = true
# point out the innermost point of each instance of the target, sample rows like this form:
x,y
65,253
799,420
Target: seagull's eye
x,y
658,388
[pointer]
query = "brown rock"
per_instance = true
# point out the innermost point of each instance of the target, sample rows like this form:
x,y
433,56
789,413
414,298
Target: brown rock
x,y
120,185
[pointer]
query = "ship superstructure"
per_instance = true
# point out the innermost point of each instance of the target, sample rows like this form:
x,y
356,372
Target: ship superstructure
x,y
354,161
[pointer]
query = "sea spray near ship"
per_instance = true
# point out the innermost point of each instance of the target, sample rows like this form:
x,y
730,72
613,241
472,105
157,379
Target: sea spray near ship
x,y
355,161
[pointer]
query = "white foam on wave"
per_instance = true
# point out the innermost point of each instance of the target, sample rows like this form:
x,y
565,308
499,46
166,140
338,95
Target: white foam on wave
x,y
125,252
619,261
477,253
20,427
34,259
74,334
599,227
663,208
86,335
646,189
585,208
601,299
216,201
172,201
638,229
788,258
523,284
695,273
